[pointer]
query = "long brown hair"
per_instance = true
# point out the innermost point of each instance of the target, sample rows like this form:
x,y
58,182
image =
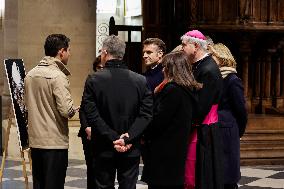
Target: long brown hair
x,y
178,68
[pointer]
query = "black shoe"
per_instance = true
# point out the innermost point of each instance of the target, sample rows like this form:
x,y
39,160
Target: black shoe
x,y
231,186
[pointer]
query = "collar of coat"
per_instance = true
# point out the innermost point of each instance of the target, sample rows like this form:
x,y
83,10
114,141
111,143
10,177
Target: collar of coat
x,y
153,71
54,62
115,63
225,71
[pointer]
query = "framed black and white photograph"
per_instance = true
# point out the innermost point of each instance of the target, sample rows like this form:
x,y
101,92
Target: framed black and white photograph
x,y
15,72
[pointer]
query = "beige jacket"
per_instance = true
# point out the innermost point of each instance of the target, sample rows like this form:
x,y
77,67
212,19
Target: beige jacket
x,y
49,104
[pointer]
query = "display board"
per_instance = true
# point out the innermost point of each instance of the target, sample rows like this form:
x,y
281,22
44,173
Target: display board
x,y
15,72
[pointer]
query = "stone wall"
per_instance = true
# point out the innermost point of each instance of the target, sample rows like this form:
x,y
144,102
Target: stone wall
x,y
28,22
26,25
75,18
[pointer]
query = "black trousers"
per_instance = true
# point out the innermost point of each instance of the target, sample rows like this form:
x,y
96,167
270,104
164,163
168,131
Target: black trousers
x,y
231,186
88,158
49,168
165,187
104,169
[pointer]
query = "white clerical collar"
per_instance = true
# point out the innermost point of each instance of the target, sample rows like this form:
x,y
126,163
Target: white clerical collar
x,y
205,55
154,66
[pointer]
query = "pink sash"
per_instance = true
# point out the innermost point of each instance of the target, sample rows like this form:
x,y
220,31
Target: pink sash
x,y
212,117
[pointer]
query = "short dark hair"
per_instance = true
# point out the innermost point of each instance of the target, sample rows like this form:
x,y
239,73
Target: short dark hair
x,y
156,41
54,43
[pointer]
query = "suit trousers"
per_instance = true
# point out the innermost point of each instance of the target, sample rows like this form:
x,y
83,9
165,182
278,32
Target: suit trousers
x,y
88,158
104,170
49,168
231,186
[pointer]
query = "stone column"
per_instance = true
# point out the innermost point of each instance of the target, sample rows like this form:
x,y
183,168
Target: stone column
x,y
10,50
2,71
10,31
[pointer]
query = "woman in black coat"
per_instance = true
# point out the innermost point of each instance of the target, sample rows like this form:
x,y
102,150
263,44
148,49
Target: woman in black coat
x,y
85,132
232,114
167,136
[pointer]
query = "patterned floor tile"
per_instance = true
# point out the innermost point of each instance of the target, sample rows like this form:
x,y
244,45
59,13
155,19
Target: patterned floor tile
x,y
253,177
268,182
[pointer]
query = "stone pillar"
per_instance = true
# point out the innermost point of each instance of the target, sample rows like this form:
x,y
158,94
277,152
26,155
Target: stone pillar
x,y
10,31
2,70
10,50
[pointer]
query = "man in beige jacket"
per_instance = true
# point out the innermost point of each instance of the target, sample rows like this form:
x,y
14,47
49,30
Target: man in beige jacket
x,y
49,104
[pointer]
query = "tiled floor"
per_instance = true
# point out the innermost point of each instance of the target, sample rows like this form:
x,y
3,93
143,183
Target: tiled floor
x,y
255,177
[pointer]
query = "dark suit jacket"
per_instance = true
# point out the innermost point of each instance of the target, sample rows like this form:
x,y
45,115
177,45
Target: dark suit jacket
x,y
116,101
154,77
167,136
233,118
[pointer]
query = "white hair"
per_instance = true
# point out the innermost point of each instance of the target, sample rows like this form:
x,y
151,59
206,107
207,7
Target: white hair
x,y
202,43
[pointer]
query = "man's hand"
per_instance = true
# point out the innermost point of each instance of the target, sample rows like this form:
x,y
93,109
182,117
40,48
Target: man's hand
x,y
88,132
77,109
122,148
119,144
124,135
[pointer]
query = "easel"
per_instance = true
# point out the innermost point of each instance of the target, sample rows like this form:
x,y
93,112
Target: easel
x,y
22,152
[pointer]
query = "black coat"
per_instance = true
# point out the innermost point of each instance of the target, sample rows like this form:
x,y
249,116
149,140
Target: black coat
x,y
116,101
167,136
209,157
233,118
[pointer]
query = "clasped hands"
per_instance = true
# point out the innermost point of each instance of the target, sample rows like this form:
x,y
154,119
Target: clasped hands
x,y
119,144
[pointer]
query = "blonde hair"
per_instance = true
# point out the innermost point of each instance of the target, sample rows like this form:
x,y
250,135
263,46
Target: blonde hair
x,y
223,54
178,48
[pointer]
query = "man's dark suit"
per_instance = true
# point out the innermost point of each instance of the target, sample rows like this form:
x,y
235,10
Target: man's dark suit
x,y
116,101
